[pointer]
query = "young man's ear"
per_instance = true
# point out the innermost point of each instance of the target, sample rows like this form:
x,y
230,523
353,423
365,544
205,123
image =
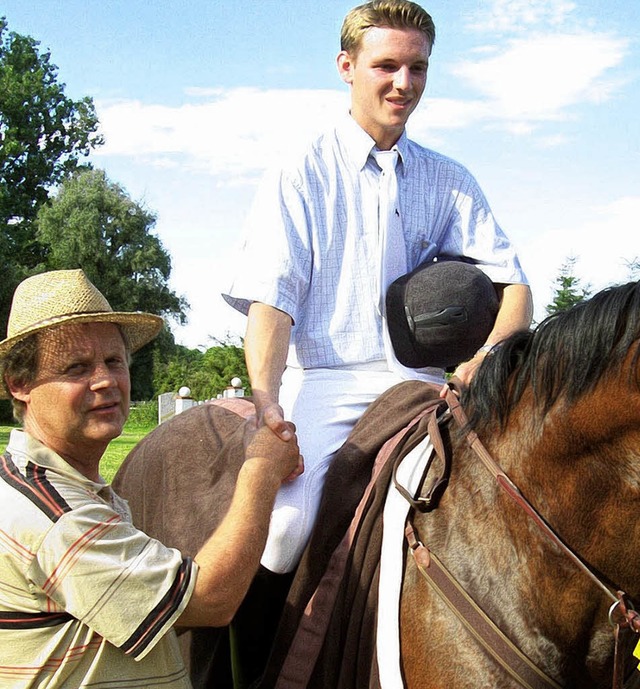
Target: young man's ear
x,y
346,65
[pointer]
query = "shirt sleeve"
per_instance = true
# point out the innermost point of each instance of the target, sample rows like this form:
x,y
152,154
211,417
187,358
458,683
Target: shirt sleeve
x,y
473,233
114,578
275,259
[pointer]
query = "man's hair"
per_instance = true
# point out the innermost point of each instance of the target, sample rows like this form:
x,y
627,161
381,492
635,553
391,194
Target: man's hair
x,y
394,14
21,366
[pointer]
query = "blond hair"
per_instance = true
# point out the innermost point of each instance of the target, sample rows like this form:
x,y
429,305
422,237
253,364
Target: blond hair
x,y
395,14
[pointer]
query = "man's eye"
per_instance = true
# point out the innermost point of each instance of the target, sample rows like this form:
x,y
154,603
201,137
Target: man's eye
x,y
76,369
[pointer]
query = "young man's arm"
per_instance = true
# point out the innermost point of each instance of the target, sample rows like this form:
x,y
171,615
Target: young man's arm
x,y
515,314
266,345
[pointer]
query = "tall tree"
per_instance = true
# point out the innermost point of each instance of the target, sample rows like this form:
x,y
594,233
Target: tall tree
x,y
43,135
569,290
93,224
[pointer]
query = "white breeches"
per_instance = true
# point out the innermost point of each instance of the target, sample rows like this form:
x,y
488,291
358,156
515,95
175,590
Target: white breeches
x,y
324,404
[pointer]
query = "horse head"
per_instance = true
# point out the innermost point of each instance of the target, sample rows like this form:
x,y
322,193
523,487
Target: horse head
x,y
559,409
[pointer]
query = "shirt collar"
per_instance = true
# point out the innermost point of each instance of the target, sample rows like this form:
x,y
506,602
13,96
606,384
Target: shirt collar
x,y
358,144
25,448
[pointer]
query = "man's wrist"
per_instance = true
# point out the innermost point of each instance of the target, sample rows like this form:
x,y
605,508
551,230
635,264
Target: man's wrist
x,y
485,349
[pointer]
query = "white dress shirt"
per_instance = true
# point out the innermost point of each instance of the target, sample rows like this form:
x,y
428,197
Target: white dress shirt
x,y
312,234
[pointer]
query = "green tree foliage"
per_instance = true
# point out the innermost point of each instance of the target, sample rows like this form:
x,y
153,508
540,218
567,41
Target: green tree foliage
x,y
207,373
93,224
569,290
43,135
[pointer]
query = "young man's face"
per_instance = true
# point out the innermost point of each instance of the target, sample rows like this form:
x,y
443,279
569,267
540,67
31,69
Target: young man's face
x,y
387,77
79,400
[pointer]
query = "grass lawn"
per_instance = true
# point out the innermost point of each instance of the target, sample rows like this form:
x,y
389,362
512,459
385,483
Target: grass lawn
x,y
116,452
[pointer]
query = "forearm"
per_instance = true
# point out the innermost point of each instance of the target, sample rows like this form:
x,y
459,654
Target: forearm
x,y
514,315
229,559
266,345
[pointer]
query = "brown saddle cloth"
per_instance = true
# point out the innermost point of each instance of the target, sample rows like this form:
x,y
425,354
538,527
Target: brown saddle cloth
x,y
179,481
330,642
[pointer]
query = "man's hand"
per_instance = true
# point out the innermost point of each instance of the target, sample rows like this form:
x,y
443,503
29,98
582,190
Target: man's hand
x,y
272,416
463,374
283,456
468,369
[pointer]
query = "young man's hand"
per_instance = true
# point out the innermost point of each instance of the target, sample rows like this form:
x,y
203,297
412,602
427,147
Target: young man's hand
x,y
283,456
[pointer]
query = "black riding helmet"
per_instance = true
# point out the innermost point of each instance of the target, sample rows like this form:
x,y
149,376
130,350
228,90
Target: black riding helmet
x,y
440,313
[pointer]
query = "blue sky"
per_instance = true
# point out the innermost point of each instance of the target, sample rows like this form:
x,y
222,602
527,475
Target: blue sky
x,y
538,98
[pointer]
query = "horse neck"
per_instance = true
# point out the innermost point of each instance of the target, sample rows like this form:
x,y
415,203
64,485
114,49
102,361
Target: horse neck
x,y
579,465
573,486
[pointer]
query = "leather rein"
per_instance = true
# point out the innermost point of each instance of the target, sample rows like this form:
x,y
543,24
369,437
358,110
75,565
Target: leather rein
x,y
621,613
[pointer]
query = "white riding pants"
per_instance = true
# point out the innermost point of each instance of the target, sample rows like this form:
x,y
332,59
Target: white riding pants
x,y
324,404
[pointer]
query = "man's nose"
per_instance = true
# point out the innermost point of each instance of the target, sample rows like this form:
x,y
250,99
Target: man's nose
x,y
402,78
102,377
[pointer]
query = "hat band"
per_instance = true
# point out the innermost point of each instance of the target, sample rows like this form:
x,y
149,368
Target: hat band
x,y
55,319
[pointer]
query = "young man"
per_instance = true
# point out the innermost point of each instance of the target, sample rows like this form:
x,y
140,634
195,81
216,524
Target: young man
x,y
86,599
315,269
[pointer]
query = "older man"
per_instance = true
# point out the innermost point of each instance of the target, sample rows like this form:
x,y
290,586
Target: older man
x,y
86,599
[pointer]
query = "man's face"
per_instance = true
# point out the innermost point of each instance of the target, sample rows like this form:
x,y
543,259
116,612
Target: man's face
x,y
387,78
79,400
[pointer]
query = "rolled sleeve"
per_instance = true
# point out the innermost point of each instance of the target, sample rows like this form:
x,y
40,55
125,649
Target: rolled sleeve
x,y
276,255
114,578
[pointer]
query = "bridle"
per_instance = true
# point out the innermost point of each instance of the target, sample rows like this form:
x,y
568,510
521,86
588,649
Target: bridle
x,y
621,613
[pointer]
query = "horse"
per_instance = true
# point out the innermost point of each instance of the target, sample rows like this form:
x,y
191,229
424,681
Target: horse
x,y
557,411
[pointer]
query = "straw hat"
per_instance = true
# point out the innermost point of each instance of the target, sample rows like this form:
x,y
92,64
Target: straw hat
x,y
67,296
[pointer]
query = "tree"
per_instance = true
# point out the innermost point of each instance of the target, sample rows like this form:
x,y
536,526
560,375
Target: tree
x,y
633,268
207,373
43,132
43,135
569,291
93,224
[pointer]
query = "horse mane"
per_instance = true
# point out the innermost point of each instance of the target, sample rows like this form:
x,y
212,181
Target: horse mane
x,y
565,356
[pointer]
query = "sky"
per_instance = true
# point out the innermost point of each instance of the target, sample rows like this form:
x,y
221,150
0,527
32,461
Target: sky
x,y
540,99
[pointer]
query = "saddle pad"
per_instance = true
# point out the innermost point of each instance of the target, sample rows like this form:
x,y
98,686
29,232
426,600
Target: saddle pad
x,y
396,509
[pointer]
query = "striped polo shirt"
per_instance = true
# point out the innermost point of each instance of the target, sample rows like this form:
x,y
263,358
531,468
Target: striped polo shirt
x,y
86,599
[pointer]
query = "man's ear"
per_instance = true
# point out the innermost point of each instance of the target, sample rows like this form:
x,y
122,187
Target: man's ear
x,y
346,65
21,391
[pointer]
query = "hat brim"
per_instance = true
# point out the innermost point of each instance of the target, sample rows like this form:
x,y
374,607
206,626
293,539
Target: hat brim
x,y
138,328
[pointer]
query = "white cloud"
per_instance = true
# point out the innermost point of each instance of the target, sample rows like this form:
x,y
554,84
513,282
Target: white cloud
x,y
232,134
603,247
515,16
540,77
235,133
